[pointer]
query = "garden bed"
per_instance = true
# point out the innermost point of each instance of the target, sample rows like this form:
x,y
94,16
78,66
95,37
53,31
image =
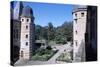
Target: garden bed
x,y
43,54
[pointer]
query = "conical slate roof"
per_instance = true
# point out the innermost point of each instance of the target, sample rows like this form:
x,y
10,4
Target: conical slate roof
x,y
27,12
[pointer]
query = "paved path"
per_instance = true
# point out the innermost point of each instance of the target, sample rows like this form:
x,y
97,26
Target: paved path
x,y
52,60
60,49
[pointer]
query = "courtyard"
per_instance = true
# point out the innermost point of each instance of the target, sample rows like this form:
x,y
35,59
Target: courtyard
x,y
49,58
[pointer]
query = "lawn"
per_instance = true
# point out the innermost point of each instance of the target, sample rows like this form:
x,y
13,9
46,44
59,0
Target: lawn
x,y
43,54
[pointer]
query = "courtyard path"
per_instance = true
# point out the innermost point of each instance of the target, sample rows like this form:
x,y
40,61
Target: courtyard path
x,y
60,49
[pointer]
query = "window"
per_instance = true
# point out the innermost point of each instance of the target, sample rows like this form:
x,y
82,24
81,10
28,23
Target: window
x,y
26,43
22,20
75,20
21,53
76,31
26,36
26,27
76,43
27,20
82,14
75,15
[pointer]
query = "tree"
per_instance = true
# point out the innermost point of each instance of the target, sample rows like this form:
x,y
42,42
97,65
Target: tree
x,y
64,32
44,32
67,29
60,34
51,32
38,32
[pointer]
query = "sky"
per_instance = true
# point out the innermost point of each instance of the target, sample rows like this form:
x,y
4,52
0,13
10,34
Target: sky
x,y
44,13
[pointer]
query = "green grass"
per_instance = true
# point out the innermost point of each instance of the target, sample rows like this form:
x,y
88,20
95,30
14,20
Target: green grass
x,y
43,54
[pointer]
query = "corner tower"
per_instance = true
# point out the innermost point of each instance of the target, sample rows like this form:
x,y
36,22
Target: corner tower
x,y
27,33
79,28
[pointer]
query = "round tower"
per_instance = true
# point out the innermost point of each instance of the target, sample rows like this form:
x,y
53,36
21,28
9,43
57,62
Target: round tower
x,y
27,33
79,29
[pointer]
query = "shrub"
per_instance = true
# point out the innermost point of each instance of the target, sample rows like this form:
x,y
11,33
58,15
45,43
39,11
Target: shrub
x,y
48,47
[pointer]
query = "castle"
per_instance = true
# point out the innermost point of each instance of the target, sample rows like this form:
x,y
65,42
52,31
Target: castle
x,y
84,33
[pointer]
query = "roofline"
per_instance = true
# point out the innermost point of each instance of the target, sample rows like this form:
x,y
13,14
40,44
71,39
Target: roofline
x,y
79,9
25,16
